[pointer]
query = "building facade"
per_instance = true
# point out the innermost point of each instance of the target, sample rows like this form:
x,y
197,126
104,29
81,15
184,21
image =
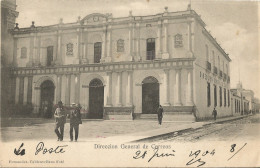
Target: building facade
x,y
123,68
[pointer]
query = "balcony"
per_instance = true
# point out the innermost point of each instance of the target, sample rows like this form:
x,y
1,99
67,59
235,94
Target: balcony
x,y
224,76
103,67
215,70
208,64
220,74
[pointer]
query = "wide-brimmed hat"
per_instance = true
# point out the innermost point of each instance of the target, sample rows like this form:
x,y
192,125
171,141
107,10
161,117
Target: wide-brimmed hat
x,y
73,104
78,105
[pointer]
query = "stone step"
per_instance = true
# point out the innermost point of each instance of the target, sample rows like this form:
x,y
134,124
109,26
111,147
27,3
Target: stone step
x,y
148,116
182,116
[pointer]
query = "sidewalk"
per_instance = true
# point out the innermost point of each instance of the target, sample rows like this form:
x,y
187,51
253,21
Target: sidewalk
x,y
142,136
100,130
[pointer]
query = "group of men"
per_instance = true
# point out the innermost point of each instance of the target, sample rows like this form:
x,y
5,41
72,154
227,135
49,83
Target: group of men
x,y
60,120
75,119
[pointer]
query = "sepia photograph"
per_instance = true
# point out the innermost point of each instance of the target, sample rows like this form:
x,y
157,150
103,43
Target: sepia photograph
x,y
120,83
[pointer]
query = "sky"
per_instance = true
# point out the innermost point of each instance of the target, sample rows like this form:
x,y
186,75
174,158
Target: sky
x,y
233,23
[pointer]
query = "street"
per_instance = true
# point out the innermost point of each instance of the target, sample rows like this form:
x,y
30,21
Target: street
x,y
93,131
247,128
89,131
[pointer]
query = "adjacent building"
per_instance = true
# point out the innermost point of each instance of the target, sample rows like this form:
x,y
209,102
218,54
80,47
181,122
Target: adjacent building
x,y
243,101
122,68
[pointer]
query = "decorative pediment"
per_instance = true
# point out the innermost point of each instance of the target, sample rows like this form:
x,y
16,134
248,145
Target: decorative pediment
x,y
94,18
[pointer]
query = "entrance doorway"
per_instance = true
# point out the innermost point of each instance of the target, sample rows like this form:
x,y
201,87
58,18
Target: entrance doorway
x,y
150,95
96,99
47,98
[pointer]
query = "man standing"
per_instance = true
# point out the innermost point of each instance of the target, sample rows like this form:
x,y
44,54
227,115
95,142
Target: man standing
x,y
160,114
60,119
75,120
214,113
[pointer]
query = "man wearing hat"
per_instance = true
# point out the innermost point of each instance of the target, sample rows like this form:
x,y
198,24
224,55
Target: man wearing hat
x,y
60,119
75,120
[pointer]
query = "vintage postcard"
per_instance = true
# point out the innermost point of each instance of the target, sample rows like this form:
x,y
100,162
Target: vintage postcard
x,y
120,83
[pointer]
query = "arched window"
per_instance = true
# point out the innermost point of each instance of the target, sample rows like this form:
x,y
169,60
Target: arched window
x,y
120,45
150,49
218,63
49,55
97,52
213,58
227,68
207,52
23,52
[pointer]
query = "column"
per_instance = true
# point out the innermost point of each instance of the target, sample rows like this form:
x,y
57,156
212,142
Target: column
x,y
104,38
37,92
35,49
67,93
133,41
21,90
59,48
137,41
77,88
29,92
177,101
30,63
17,90
79,40
189,99
158,41
25,90
38,53
119,89
129,89
15,53
72,88
165,45
13,89
189,53
109,39
167,89
109,90
85,47
130,42
58,91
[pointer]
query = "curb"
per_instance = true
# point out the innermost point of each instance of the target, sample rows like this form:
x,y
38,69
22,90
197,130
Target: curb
x,y
161,135
188,129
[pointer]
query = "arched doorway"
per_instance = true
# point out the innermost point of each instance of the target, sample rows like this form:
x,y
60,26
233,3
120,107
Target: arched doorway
x,y
96,99
47,98
150,95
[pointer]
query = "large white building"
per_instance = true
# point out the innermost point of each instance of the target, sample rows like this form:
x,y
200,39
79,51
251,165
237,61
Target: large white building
x,y
117,68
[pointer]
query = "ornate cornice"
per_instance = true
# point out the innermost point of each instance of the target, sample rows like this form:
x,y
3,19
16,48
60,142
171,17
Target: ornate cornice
x,y
176,63
108,20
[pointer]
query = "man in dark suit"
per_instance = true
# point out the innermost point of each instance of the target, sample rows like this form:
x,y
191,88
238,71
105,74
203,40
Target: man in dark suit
x,y
60,120
75,120
160,114
215,113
